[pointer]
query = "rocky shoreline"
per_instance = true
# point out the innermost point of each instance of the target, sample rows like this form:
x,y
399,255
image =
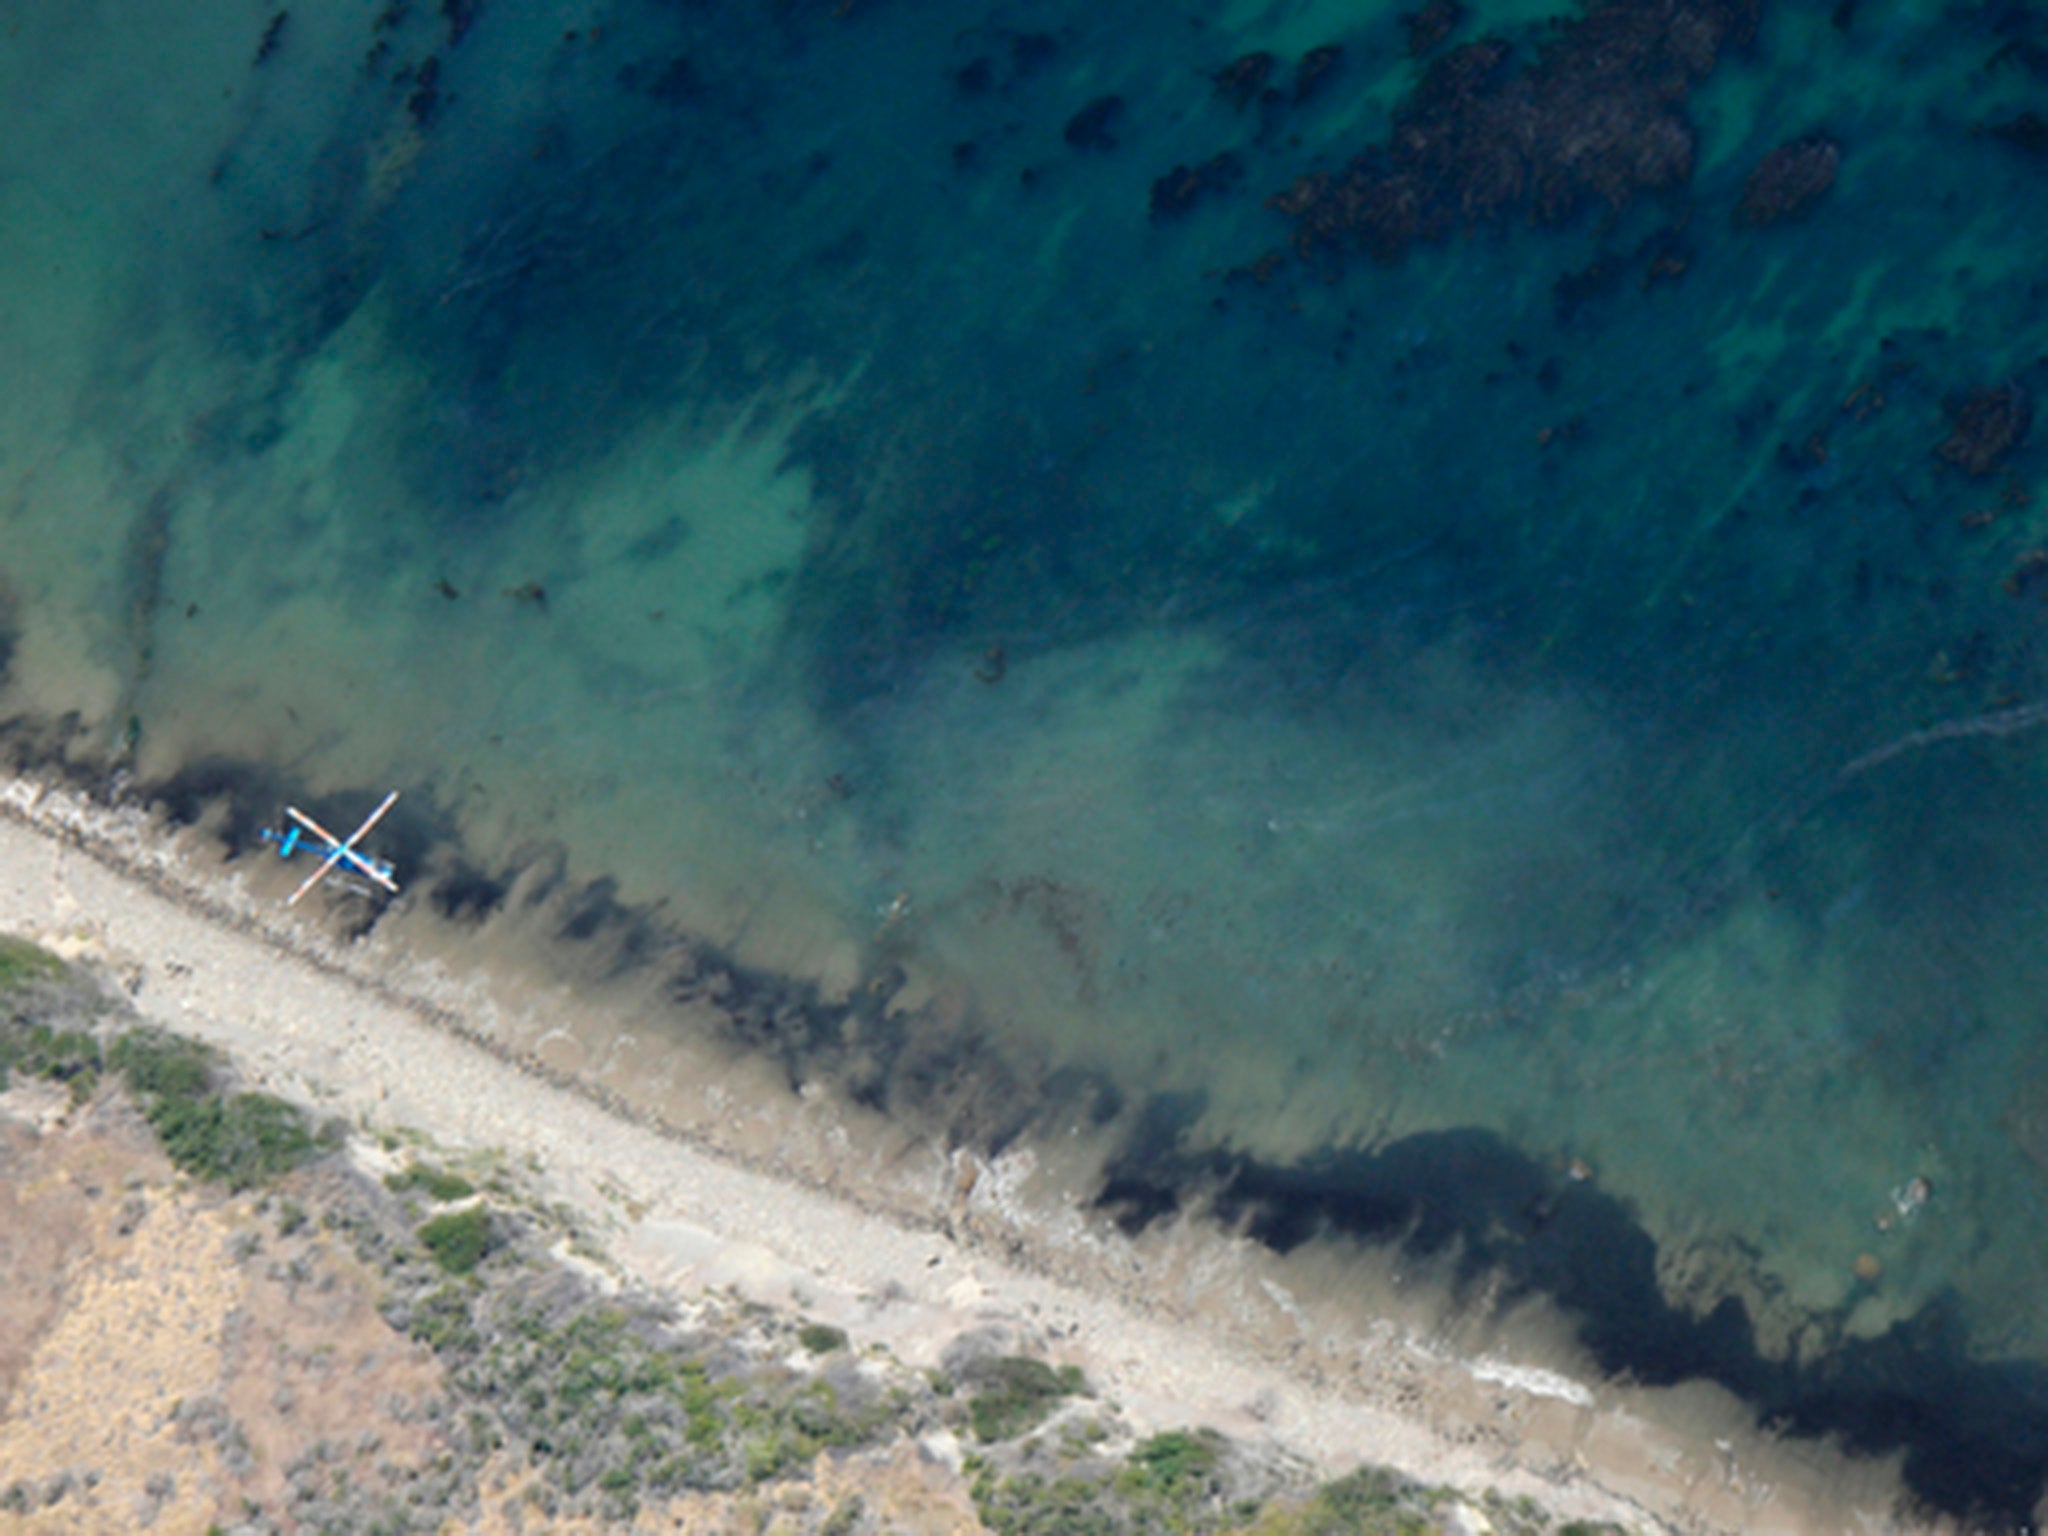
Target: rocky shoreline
x,y
1154,1416
517,1381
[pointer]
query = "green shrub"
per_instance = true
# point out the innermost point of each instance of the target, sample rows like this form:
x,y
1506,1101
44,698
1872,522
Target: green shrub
x,y
1177,1464
435,1183
614,1403
239,1140
24,964
821,1338
459,1240
771,1455
163,1066
1031,1505
1017,1395
441,1321
1369,1502
69,1056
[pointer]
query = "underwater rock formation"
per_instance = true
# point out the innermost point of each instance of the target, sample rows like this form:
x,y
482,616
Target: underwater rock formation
x,y
1429,28
1789,181
2027,133
1597,118
1185,185
1986,425
1313,73
1240,81
1094,126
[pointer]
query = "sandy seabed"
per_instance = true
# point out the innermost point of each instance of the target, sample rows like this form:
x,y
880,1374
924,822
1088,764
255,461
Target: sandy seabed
x,y
797,1203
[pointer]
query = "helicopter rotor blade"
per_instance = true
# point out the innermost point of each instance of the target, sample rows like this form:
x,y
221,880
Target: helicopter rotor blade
x,y
342,850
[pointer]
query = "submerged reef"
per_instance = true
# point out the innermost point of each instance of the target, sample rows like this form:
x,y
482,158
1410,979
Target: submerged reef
x,y
1789,181
1986,426
1597,117
1181,188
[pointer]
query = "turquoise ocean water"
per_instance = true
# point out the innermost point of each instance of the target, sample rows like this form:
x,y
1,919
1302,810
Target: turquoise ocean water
x,y
876,498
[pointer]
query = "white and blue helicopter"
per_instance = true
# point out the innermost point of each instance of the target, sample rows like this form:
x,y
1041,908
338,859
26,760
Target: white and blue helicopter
x,y
336,853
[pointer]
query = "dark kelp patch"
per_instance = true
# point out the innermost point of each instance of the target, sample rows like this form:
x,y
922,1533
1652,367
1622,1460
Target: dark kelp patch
x,y
10,627
1596,117
946,1071
467,893
1973,1432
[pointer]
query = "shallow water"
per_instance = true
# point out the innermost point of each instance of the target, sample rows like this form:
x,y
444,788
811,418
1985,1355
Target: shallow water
x,y
748,476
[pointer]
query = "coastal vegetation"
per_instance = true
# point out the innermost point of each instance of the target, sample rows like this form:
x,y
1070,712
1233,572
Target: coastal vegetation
x,y
458,1240
24,964
58,1028
1017,1393
821,1338
68,1056
211,1131
434,1183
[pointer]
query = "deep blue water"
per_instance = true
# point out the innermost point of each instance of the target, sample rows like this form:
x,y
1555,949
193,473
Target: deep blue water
x,y
1512,651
